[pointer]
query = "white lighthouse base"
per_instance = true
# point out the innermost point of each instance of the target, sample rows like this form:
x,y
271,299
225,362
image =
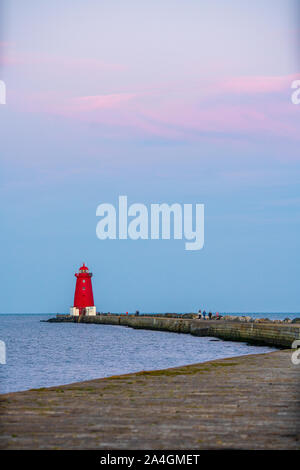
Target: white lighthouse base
x,y
89,311
74,312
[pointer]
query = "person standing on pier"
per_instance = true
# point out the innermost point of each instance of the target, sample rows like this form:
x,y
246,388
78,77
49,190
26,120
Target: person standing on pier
x,y
204,315
199,315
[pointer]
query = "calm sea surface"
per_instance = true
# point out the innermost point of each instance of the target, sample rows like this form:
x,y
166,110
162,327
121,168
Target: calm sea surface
x,y
45,354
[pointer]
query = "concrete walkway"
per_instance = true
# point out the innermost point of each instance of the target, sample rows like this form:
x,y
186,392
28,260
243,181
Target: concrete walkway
x,y
249,402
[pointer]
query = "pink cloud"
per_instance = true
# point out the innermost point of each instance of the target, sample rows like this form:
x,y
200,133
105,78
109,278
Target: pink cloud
x,y
256,84
186,114
91,103
275,119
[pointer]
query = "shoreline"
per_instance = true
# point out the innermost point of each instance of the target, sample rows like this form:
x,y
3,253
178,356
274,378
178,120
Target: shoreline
x,y
243,402
44,388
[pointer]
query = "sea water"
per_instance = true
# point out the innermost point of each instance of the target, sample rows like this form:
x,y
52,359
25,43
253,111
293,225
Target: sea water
x,y
41,354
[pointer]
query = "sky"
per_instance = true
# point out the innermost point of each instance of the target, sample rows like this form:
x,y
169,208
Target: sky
x,y
162,101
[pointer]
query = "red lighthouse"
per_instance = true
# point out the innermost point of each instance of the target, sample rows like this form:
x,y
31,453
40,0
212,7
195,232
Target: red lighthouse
x,y
83,298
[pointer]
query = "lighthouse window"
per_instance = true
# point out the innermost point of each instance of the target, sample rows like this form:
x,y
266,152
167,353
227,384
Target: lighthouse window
x,y
83,288
83,280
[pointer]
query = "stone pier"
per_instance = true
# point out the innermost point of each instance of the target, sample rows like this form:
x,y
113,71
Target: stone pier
x,y
269,333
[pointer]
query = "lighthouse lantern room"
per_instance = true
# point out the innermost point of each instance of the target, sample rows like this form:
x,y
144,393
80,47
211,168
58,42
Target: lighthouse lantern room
x,y
83,298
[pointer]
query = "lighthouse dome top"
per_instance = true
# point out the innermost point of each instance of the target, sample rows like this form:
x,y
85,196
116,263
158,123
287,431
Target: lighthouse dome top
x,y
83,268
